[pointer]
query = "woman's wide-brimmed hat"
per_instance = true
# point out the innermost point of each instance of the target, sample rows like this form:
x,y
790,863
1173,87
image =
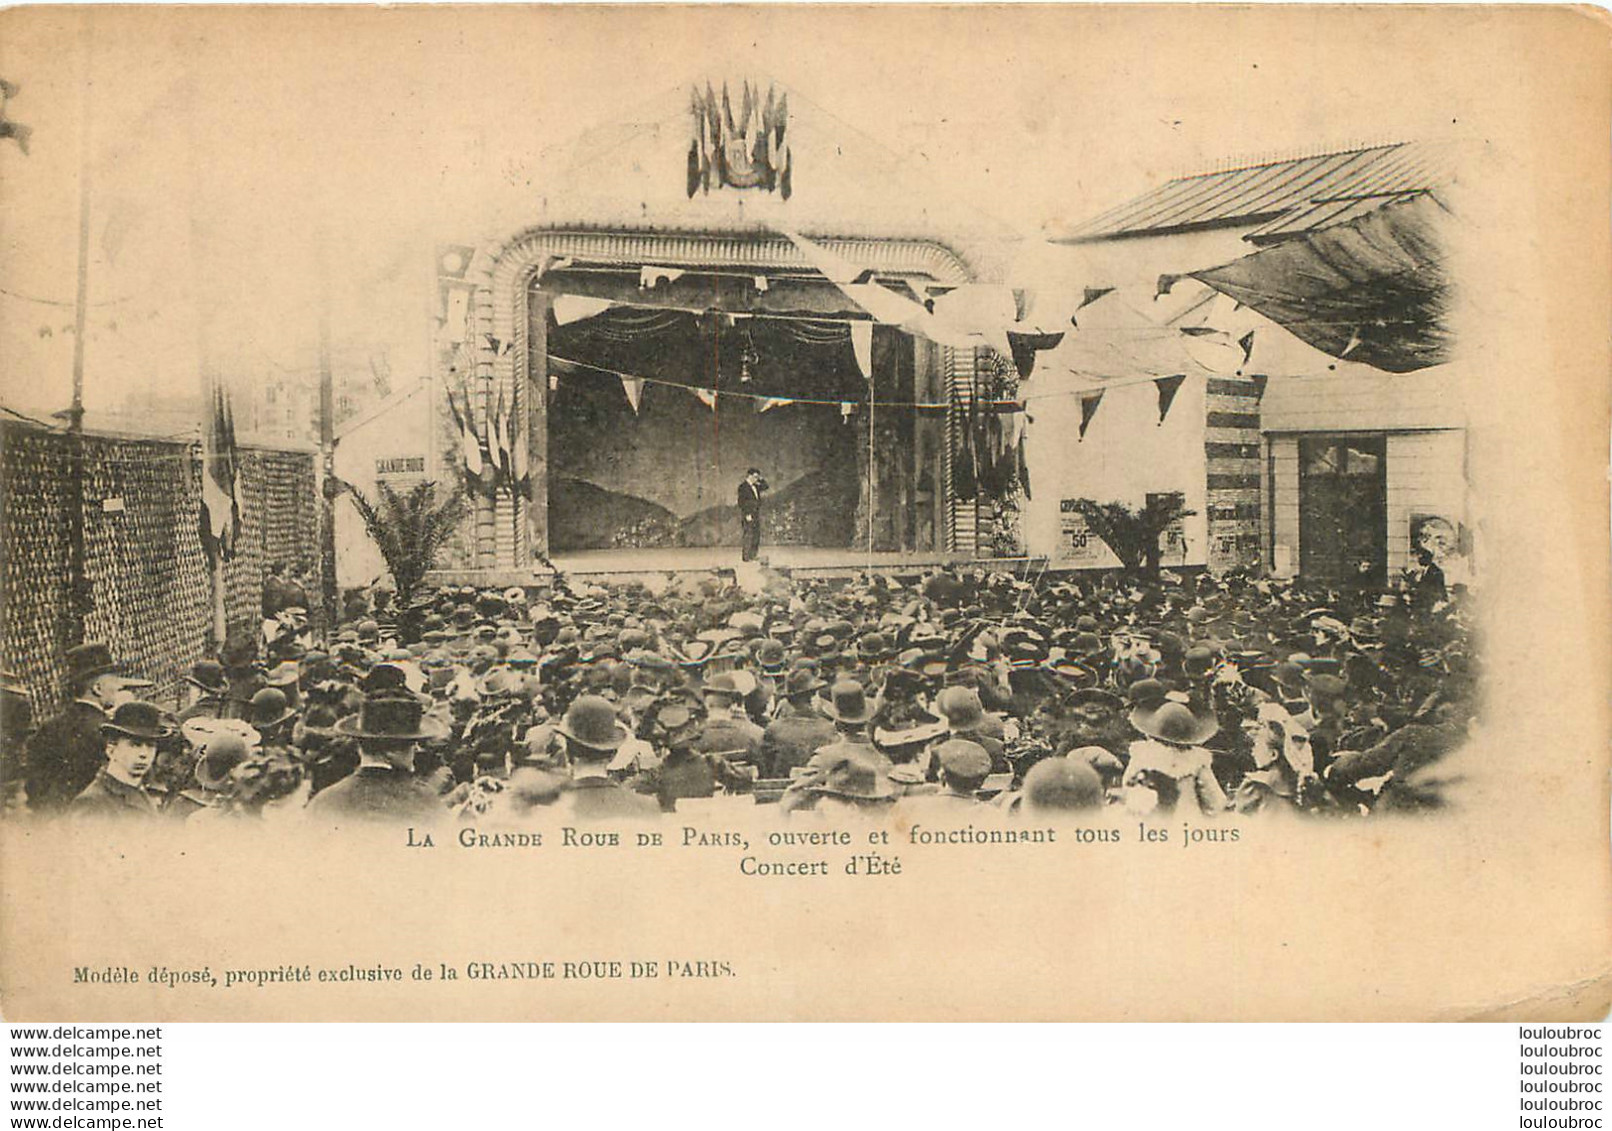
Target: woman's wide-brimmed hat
x,y
856,779
1174,723
401,718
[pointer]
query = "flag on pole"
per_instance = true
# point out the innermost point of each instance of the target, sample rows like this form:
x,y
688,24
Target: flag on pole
x,y
495,438
221,482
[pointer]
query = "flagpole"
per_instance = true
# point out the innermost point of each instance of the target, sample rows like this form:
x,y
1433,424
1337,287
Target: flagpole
x,y
216,578
327,447
78,595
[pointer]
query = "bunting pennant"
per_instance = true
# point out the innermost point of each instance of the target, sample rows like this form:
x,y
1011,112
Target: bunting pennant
x,y
1168,387
1088,409
1165,283
1024,347
862,346
1353,343
767,404
634,388
1093,294
707,397
554,382
846,409
574,308
1246,342
221,482
1259,380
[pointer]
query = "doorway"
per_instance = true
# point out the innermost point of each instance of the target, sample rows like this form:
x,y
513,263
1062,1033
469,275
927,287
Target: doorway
x,y
1343,509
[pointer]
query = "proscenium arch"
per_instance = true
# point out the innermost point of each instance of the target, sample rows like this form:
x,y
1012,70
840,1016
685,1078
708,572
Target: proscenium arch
x,y
503,314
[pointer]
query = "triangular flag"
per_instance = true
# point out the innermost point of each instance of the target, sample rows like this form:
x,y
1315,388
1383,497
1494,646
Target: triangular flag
x,y
862,346
1168,387
1088,409
1353,343
1165,283
767,404
1259,380
1247,344
1024,347
846,409
1093,294
634,388
574,308
707,397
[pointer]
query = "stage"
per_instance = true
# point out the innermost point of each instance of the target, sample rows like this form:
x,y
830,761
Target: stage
x,y
629,565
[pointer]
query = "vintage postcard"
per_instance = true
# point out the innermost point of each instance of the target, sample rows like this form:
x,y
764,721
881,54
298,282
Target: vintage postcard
x,y
805,513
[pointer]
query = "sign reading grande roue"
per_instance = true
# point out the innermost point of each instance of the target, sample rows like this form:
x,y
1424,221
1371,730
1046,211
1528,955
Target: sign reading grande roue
x,y
400,465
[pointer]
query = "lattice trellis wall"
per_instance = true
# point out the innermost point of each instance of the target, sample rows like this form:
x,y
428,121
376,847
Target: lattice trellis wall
x,y
147,573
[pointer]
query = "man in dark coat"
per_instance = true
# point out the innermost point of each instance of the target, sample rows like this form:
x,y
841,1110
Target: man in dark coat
x,y
119,787
799,731
751,488
388,728
68,750
592,736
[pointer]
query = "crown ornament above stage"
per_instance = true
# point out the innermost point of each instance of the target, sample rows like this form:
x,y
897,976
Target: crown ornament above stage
x,y
744,150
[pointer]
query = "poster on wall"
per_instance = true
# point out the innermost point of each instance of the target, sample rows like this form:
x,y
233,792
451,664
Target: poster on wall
x,y
1078,545
1448,541
1173,538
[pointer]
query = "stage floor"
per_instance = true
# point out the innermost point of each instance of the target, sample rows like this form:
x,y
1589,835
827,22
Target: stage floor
x,y
800,560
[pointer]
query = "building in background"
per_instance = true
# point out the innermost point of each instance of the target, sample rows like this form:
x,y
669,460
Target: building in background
x,y
1318,427
391,443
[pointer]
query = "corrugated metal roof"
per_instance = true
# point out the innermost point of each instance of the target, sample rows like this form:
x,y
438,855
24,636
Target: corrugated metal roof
x,y
1327,188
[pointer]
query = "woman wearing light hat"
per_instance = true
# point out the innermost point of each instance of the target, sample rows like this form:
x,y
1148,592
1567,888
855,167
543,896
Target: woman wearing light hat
x,y
1169,765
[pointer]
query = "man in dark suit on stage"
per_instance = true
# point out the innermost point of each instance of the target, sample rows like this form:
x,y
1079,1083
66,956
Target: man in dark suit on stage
x,y
751,488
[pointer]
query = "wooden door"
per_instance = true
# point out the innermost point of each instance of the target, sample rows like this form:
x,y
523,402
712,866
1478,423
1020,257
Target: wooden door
x,y
1343,509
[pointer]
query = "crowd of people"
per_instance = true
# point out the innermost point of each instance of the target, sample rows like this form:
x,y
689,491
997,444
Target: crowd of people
x,y
980,693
